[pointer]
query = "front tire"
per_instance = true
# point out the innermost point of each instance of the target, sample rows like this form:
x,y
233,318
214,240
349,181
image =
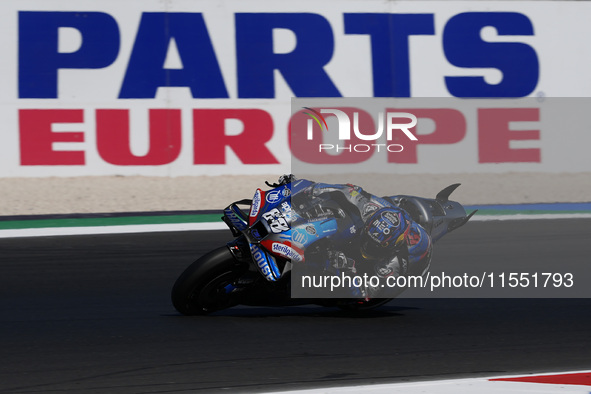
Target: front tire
x,y
201,287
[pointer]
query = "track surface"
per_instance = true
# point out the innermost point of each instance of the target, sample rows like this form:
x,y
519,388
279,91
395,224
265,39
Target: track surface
x,y
92,314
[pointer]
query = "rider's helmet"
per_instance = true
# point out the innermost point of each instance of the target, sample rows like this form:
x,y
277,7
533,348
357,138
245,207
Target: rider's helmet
x,y
384,233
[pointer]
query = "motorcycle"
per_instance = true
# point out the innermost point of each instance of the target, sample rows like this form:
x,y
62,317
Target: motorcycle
x,y
255,268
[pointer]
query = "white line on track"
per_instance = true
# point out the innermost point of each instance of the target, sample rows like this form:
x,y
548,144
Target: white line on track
x,y
147,228
126,229
455,386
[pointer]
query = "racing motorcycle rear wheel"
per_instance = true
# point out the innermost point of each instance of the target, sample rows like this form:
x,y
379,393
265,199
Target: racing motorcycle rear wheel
x,y
204,286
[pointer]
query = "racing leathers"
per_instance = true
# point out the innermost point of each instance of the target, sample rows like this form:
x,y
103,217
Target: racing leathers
x,y
372,231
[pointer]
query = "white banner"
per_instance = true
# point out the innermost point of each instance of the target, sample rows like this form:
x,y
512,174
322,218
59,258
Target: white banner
x,y
203,88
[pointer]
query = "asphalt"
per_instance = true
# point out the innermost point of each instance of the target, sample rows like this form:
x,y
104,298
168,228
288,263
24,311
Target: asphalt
x,y
92,314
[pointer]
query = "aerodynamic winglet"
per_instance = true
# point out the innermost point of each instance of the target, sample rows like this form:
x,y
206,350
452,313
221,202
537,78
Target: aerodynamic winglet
x,y
445,193
457,223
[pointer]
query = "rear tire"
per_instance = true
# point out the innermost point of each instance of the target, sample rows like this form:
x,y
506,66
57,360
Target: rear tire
x,y
201,287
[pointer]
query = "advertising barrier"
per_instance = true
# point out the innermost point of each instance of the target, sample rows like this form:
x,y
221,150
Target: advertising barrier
x,y
181,88
434,135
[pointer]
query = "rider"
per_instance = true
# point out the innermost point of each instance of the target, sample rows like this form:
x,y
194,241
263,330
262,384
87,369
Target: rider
x,y
370,229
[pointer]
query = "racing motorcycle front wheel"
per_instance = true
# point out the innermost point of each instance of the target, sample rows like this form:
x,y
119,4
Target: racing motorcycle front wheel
x,y
204,287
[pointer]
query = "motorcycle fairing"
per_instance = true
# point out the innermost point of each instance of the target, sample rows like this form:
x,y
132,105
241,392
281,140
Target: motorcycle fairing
x,y
272,216
265,262
236,217
268,221
258,201
306,234
438,216
299,185
268,231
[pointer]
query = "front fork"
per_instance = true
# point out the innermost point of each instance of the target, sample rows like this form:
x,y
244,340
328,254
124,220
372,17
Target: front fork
x,y
240,250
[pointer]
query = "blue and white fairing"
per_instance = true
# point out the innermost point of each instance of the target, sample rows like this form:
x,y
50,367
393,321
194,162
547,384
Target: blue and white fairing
x,y
276,235
305,232
265,262
269,228
308,233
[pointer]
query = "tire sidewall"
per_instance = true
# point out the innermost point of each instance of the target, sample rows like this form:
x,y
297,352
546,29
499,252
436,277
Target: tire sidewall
x,y
198,275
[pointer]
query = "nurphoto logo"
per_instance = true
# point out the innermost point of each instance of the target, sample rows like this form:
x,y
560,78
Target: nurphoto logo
x,y
390,122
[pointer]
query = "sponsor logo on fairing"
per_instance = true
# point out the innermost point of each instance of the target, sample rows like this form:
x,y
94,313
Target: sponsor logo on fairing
x,y
234,219
286,251
260,259
299,237
255,233
273,196
286,209
276,221
256,204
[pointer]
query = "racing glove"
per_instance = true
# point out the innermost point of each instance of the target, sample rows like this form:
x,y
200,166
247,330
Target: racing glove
x,y
341,263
